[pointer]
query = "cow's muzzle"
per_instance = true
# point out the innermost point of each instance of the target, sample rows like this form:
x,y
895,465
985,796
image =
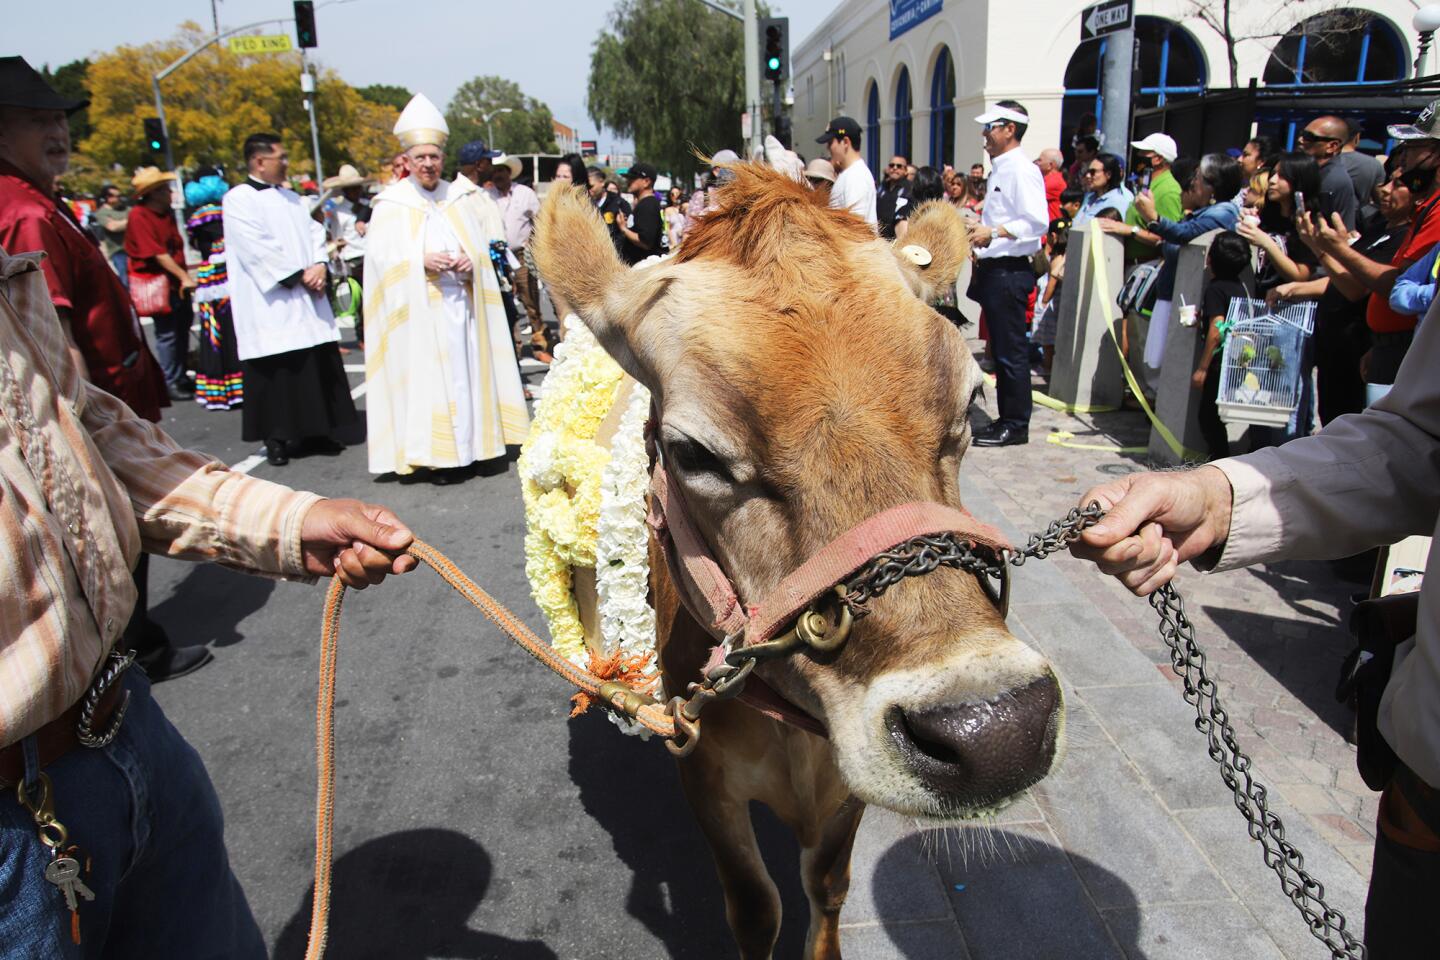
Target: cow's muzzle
x,y
979,753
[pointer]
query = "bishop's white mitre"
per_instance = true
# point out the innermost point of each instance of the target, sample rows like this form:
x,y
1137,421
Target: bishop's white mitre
x,y
421,122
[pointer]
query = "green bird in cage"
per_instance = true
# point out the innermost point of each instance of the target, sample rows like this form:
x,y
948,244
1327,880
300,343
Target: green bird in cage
x,y
1275,357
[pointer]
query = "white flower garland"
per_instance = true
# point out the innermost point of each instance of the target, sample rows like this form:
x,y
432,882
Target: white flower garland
x,y
621,535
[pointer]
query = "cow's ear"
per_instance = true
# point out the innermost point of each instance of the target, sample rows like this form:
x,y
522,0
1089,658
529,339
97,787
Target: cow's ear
x,y
935,247
576,257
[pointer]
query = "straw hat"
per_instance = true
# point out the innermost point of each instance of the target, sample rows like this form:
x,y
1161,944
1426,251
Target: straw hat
x,y
347,177
147,179
505,160
820,169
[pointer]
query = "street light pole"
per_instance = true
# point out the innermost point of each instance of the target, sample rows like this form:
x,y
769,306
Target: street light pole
x,y
490,126
748,24
307,90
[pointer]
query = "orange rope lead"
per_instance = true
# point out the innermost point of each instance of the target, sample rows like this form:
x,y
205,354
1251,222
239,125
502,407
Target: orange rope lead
x,y
652,716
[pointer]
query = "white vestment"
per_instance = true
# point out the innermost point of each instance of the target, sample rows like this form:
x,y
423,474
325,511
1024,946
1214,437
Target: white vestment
x,y
443,386
269,235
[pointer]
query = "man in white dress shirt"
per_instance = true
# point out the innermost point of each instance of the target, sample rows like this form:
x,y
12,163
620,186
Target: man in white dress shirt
x,y
296,392
854,188
1014,220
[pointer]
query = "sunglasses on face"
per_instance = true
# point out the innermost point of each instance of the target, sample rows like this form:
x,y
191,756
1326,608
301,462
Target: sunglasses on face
x,y
896,166
1093,173
1307,137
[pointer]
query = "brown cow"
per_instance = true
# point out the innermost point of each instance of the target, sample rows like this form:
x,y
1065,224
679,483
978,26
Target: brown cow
x,y
802,385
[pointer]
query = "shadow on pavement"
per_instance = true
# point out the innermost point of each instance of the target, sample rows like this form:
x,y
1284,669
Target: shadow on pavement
x,y
1307,666
226,597
408,895
631,789
1013,894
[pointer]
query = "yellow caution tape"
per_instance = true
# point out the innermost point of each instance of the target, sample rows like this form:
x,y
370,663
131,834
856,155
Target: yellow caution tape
x,y
1062,438
1048,401
1102,292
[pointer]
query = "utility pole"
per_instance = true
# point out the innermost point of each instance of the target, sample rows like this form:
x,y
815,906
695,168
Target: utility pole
x,y
1115,85
750,25
307,90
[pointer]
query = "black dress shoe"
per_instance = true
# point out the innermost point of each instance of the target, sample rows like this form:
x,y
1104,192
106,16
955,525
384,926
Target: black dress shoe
x,y
324,447
275,453
169,663
1002,435
445,476
180,391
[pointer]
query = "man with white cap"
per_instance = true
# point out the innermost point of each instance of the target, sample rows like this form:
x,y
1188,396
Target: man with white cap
x,y
1012,223
296,391
444,390
1157,152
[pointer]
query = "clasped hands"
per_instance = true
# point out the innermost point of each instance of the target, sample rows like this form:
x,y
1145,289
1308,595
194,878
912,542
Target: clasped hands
x,y
455,262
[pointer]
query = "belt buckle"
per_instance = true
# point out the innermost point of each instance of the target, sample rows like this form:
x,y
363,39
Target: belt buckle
x,y
116,665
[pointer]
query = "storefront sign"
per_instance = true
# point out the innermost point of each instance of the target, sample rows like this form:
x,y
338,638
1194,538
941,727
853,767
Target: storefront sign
x,y
905,14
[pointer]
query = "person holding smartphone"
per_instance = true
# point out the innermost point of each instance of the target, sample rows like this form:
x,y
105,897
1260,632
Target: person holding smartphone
x,y
1284,258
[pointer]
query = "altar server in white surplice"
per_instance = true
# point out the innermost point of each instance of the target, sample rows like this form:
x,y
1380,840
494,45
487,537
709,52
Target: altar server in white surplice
x,y
296,392
443,388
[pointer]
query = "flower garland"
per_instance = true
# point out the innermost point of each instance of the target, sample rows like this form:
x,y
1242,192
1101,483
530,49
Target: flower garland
x,y
585,506
622,561
560,466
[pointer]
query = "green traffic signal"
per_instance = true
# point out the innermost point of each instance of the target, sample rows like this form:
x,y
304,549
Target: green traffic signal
x,y
154,144
774,63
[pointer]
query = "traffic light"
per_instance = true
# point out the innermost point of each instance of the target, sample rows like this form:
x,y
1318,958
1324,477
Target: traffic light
x,y
305,22
775,48
154,135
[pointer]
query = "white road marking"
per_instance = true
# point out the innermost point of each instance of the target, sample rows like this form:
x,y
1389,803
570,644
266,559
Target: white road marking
x,y
359,391
354,368
249,463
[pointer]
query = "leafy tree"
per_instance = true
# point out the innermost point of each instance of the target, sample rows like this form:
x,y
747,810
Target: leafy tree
x,y
670,75
528,128
70,81
389,94
218,99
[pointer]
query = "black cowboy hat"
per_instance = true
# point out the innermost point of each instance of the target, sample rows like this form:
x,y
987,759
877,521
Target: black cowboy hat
x,y
22,86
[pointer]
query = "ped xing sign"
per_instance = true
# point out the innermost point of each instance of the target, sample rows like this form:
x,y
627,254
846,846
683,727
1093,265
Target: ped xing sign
x,y
905,14
1109,17
269,43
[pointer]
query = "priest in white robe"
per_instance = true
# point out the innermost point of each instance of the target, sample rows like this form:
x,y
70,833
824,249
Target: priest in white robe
x,y
296,391
443,389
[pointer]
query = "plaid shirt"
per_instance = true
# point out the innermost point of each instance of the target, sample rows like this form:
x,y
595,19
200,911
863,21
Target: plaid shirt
x,y
85,485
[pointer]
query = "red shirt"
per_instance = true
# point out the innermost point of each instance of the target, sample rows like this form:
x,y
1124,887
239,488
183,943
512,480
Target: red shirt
x,y
1424,233
1054,186
102,322
149,234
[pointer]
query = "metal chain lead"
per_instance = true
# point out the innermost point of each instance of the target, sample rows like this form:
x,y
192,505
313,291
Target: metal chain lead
x,y
922,555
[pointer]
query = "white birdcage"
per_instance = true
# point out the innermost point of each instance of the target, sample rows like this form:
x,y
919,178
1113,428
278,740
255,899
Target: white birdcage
x,y
1261,378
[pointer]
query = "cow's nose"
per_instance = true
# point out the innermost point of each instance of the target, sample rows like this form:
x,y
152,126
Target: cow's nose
x,y
982,752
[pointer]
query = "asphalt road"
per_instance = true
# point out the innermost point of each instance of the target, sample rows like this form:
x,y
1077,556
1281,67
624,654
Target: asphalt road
x,y
473,819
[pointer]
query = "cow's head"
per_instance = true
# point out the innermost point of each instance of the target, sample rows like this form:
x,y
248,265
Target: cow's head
x,y
804,385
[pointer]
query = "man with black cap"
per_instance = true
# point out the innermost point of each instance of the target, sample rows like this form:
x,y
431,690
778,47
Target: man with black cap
x,y
476,162
93,306
644,232
854,188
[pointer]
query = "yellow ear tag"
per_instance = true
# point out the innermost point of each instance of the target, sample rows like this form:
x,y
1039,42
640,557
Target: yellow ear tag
x,y
916,254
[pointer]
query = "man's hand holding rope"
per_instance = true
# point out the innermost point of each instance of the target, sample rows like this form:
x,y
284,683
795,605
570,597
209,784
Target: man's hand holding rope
x,y
1154,522
359,543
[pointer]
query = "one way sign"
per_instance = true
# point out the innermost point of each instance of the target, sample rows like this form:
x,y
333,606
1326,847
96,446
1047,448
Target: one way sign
x,y
1109,17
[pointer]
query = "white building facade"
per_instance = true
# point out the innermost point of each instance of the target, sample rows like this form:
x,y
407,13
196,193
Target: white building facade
x,y
915,73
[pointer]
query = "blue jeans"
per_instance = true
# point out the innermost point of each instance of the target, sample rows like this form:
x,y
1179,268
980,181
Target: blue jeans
x,y
172,339
144,810
121,263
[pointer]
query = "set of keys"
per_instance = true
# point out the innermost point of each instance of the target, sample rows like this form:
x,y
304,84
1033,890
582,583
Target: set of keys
x,y
64,869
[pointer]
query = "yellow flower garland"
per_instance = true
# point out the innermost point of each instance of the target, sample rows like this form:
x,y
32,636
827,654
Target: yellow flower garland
x,y
560,469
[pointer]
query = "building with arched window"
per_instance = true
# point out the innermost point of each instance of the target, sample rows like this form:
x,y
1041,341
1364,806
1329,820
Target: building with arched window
x,y
960,54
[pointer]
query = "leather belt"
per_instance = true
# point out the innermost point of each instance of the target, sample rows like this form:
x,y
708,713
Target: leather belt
x,y
59,736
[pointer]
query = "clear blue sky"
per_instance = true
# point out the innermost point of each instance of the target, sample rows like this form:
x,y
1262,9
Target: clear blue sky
x,y
425,45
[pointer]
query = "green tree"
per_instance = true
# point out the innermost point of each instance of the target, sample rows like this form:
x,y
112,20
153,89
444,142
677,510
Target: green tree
x,y
217,99
72,80
528,127
670,75
388,94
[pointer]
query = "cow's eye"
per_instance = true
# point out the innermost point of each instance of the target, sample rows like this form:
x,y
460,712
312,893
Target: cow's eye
x,y
691,457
